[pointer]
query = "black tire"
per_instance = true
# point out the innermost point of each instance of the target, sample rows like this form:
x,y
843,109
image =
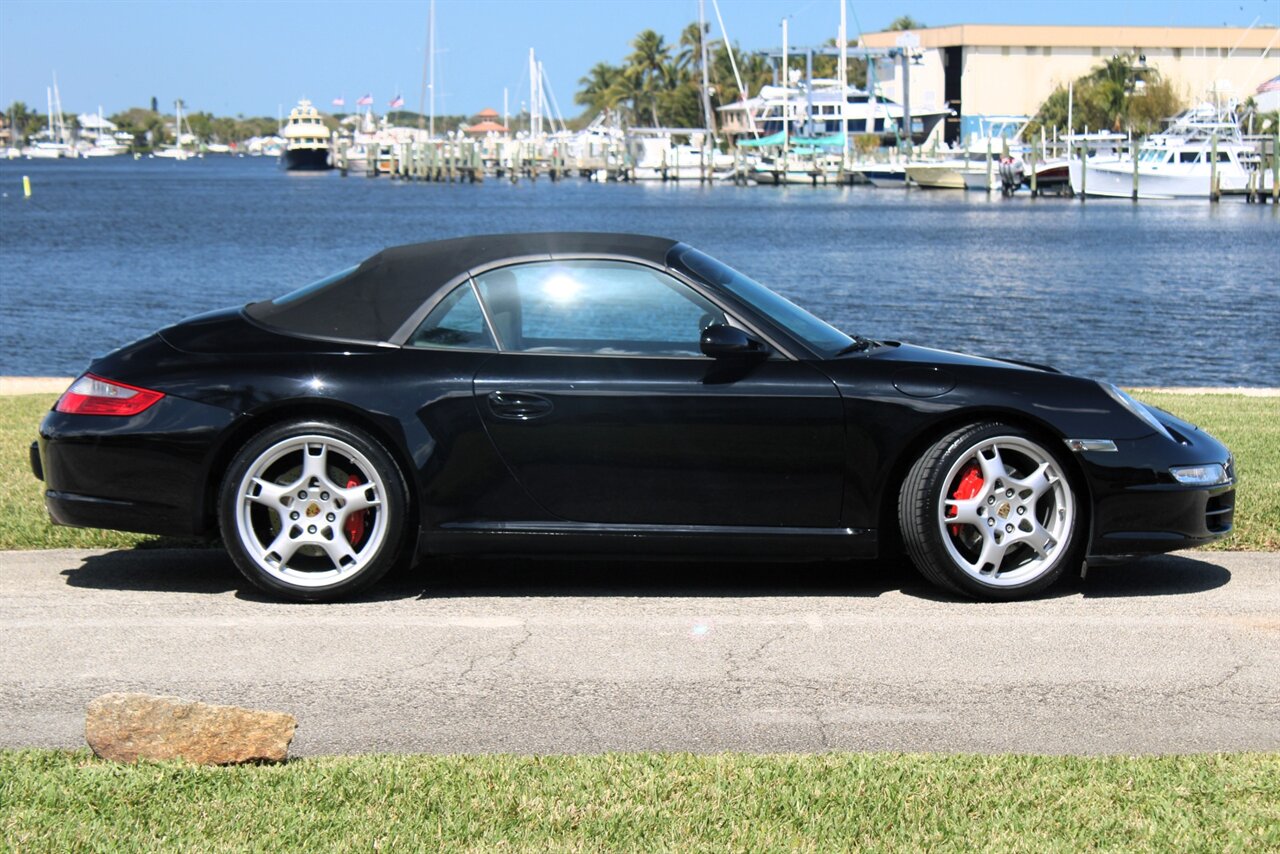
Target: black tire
x,y
341,525
1016,521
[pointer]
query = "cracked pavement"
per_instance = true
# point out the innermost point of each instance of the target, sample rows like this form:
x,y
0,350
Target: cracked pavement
x,y
1172,654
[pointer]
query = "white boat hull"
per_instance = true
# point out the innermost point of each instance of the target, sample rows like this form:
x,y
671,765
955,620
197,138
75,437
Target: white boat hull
x,y
1114,179
936,177
978,180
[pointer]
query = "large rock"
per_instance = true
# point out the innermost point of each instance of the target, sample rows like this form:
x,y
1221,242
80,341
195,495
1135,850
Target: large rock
x,y
127,727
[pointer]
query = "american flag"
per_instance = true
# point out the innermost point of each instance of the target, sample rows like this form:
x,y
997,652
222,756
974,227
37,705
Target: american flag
x,y
339,102
397,101
1271,85
365,101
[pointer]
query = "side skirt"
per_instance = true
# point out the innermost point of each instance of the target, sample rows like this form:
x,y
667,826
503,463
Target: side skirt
x,y
583,539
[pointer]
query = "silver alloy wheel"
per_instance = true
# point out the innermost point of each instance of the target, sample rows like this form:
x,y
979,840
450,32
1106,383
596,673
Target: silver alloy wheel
x,y
295,508
1015,526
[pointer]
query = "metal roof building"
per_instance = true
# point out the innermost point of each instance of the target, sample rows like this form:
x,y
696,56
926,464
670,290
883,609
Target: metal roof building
x,y
983,70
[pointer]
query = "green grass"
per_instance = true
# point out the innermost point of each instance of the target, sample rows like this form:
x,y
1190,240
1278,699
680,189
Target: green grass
x,y
26,525
1250,426
62,801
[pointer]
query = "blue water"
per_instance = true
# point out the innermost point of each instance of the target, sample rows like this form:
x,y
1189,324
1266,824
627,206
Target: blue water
x,y
1170,293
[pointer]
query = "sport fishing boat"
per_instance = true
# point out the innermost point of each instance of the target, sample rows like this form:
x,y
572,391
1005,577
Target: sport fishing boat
x,y
306,147
1201,146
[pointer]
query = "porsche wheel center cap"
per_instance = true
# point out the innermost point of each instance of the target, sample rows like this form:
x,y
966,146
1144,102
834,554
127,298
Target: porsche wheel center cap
x,y
1003,512
313,510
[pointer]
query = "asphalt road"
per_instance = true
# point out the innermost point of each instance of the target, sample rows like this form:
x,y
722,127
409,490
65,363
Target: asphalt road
x,y
1173,654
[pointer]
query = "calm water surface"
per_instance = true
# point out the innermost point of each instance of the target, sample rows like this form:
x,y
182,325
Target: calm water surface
x,y
1166,293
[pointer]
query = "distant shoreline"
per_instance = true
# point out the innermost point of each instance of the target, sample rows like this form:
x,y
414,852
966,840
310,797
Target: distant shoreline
x,y
10,386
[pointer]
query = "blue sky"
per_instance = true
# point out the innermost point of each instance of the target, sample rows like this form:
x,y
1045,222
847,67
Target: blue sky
x,y
237,56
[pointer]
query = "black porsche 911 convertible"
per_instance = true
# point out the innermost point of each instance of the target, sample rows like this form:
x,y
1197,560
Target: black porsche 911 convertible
x,y
607,394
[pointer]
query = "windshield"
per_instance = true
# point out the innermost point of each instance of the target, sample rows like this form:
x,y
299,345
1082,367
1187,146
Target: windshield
x,y
825,340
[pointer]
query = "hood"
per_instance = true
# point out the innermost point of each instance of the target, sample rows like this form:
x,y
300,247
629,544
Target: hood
x,y
895,351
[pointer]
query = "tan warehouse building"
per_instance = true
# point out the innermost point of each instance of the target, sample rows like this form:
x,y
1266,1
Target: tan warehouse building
x,y
982,70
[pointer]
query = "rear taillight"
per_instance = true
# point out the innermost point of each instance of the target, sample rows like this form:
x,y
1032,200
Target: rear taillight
x,y
92,395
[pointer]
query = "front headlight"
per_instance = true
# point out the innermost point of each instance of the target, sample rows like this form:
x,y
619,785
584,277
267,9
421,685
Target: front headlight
x,y
1137,409
1208,475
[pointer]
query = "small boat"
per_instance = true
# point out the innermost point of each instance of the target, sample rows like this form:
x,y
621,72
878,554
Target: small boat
x,y
806,171
884,176
940,175
46,150
658,157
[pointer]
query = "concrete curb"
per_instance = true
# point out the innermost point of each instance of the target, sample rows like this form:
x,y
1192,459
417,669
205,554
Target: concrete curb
x,y
33,385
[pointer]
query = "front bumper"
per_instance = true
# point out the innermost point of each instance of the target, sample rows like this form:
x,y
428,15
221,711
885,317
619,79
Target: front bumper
x,y
1162,518
1139,508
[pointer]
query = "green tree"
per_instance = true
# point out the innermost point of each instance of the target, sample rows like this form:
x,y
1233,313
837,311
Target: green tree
x,y
1117,95
627,94
648,64
906,22
23,122
598,90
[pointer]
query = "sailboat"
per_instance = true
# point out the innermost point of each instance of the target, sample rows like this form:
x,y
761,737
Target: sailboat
x,y
175,151
56,144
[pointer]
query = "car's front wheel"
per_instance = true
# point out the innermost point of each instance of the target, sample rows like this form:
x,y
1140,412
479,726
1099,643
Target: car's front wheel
x,y
313,510
989,511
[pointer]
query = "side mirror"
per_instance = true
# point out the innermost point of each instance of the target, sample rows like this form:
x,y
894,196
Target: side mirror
x,y
727,342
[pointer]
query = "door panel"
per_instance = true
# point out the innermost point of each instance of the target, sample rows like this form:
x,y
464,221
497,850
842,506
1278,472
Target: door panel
x,y
609,439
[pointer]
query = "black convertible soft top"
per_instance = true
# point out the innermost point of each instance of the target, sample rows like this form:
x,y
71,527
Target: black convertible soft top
x,y
376,298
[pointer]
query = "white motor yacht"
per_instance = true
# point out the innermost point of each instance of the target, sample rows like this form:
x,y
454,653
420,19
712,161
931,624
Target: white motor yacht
x,y
1201,146
306,140
819,109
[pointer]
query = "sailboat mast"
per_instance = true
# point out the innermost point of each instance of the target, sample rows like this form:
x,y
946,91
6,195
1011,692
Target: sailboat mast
x,y
844,80
535,118
786,92
707,115
426,63
431,61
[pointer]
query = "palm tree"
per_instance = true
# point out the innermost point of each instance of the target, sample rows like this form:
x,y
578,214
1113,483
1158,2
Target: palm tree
x,y
628,88
598,87
648,62
1111,82
906,22
691,46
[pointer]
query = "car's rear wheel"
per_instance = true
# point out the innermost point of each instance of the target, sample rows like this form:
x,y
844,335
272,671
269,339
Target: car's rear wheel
x,y
989,511
313,510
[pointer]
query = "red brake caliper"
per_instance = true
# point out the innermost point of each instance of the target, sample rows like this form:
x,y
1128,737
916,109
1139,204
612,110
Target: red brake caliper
x,y
356,522
969,486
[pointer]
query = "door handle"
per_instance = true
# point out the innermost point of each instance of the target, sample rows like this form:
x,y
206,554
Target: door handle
x,y
518,405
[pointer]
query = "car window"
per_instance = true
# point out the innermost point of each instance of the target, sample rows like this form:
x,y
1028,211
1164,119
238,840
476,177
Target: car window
x,y
456,322
609,308
825,340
